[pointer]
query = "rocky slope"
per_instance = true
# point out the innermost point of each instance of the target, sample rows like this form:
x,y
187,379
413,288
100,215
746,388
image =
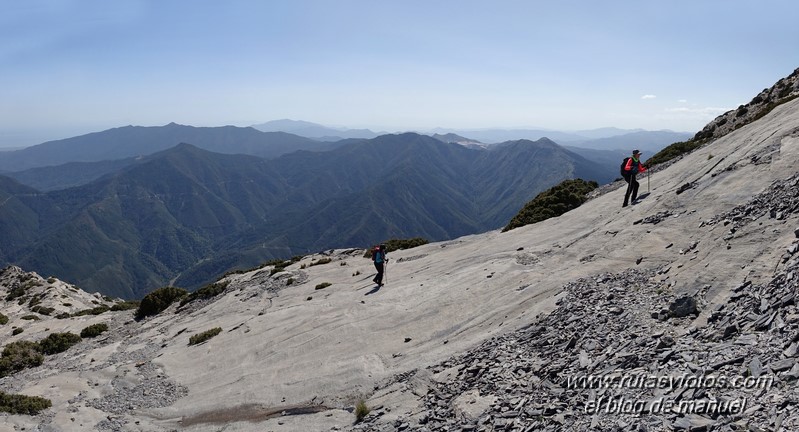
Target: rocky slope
x,y
496,331
784,89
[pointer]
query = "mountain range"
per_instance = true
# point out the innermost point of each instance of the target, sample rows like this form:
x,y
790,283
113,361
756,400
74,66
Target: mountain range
x,y
184,215
134,141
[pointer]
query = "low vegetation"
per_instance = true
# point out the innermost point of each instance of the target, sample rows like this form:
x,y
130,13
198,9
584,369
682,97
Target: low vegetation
x,y
158,300
20,355
322,285
94,330
22,404
553,202
3,319
361,410
398,244
206,292
675,150
97,310
56,343
125,305
321,261
204,336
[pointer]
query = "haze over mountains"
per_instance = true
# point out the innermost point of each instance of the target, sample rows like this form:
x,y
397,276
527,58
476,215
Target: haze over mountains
x,y
601,139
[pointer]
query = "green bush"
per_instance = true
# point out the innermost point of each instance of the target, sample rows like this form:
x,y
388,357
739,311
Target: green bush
x,y
43,310
20,355
93,311
3,319
675,150
361,410
30,317
206,292
16,331
204,336
323,285
553,202
21,404
94,330
56,343
15,293
125,305
398,244
158,300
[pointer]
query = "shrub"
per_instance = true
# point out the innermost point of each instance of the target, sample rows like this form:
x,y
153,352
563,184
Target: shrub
x,y
206,292
158,300
16,331
93,311
321,261
94,330
675,150
30,317
204,336
397,244
56,343
20,355
361,410
125,305
3,319
43,310
15,293
553,202
280,265
21,404
323,285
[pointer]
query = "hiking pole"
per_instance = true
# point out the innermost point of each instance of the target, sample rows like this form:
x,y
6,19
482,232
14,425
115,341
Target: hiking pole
x,y
385,272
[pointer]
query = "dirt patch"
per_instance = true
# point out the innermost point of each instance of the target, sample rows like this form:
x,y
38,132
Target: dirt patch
x,y
250,413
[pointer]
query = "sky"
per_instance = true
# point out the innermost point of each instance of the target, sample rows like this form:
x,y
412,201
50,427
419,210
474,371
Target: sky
x,y
70,67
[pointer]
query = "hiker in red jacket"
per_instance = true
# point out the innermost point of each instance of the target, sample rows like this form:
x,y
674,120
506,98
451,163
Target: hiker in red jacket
x,y
631,169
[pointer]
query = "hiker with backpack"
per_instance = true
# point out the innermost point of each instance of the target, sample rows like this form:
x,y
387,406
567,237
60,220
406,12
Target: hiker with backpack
x,y
379,258
630,167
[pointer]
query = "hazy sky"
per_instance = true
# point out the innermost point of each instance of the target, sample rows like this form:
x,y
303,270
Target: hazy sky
x,y
73,67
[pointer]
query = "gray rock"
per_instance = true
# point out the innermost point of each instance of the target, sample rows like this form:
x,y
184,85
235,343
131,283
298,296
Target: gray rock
x,y
683,306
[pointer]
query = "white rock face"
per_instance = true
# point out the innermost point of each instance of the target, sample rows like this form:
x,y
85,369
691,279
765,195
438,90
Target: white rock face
x,y
294,357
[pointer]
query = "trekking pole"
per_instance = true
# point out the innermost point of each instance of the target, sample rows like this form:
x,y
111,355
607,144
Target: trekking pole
x,y
385,272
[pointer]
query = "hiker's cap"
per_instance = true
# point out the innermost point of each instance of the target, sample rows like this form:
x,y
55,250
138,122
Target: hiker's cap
x,y
636,152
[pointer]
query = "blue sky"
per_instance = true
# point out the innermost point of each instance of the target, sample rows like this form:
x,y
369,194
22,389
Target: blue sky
x,y
69,67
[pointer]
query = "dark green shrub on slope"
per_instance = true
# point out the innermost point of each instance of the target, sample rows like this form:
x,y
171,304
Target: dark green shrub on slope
x,y
398,244
553,202
204,336
158,300
94,330
206,292
20,355
55,343
22,404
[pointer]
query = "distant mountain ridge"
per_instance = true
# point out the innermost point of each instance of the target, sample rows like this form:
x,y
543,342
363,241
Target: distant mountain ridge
x,y
607,138
186,215
130,141
314,130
